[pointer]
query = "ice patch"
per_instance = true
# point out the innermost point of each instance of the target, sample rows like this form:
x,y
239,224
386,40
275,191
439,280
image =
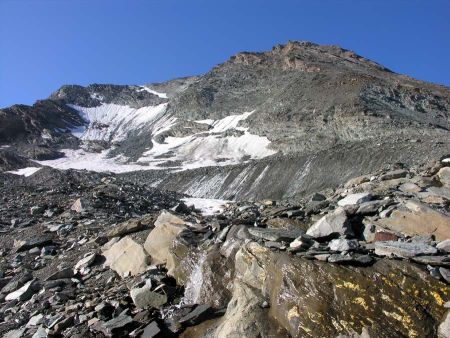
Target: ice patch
x,y
207,206
5,146
147,89
25,171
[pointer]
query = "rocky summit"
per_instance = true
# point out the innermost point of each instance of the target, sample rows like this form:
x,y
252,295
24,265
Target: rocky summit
x,y
297,192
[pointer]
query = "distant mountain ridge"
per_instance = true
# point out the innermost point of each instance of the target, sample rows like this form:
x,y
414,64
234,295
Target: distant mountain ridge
x,y
278,124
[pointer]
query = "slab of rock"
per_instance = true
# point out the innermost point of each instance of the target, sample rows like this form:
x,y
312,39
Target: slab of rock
x,y
303,242
199,314
37,242
333,223
357,181
144,297
416,218
355,199
355,259
126,256
110,327
392,175
433,260
85,262
130,226
341,244
403,249
159,240
79,206
24,293
409,187
444,245
370,207
275,235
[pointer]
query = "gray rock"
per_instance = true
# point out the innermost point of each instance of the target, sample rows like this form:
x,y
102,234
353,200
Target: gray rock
x,y
444,327
445,273
391,175
24,293
85,262
110,327
341,244
316,197
144,297
355,199
151,330
40,333
15,333
23,245
403,249
370,207
333,223
433,260
275,235
61,274
355,259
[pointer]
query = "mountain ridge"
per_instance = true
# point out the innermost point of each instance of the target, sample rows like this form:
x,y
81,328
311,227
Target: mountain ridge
x,y
296,101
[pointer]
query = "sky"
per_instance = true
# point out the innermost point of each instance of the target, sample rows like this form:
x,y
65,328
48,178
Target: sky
x,y
48,43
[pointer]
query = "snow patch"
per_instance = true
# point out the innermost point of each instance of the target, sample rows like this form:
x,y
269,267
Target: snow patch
x,y
25,171
81,159
147,89
207,206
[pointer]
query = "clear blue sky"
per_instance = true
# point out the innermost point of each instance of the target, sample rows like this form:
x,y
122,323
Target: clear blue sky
x,y
47,43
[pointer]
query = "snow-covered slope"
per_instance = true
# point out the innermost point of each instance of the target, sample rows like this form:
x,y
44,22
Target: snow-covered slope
x,y
220,142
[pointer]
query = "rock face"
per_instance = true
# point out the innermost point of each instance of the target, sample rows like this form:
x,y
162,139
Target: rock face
x,y
419,218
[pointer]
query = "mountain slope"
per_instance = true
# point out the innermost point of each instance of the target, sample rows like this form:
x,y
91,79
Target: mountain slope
x,y
277,124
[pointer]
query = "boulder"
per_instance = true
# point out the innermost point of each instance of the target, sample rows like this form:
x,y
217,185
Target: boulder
x,y
355,199
444,245
24,293
285,223
415,218
341,244
403,249
85,262
331,224
444,176
159,240
144,297
126,256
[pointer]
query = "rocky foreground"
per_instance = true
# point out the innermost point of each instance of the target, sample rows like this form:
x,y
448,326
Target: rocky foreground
x,y
93,255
